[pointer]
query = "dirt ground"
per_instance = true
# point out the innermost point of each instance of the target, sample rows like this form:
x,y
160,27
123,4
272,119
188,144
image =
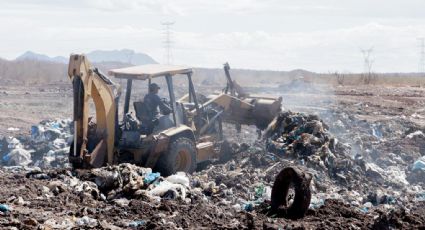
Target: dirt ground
x,y
58,210
22,107
383,108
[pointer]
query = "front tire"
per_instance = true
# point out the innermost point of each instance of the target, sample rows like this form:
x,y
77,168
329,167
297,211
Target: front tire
x,y
181,156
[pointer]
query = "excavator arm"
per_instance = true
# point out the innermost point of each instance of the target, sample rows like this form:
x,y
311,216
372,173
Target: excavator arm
x,y
93,141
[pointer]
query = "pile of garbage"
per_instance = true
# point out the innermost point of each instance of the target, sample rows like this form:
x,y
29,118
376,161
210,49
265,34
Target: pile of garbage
x,y
118,183
346,169
306,139
46,147
221,193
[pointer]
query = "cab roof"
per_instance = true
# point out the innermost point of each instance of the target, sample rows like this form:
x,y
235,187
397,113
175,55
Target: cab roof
x,y
144,72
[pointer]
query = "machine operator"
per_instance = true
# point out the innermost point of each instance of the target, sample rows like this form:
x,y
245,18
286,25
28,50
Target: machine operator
x,y
153,101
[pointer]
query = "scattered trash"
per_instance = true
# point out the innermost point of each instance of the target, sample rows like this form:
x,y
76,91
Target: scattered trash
x,y
420,197
165,187
355,173
47,147
13,143
18,156
415,134
419,164
4,208
377,132
12,129
136,223
366,207
151,177
248,207
86,221
179,178
316,203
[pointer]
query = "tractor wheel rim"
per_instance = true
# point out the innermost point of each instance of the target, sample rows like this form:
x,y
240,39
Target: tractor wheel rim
x,y
291,195
182,161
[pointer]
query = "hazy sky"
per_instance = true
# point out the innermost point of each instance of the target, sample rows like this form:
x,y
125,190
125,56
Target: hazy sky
x,y
322,36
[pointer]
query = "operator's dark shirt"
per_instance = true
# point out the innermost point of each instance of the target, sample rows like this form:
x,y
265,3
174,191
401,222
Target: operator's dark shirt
x,y
153,101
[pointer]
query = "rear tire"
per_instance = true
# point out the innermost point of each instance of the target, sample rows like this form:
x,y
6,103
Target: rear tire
x,y
295,181
181,156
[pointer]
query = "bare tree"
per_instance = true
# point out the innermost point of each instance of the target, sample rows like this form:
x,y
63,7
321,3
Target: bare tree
x,y
340,77
368,76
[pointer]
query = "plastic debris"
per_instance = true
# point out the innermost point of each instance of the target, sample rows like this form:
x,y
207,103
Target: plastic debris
x,y
86,221
415,134
151,177
420,196
169,188
316,203
419,164
4,208
13,143
179,178
18,156
136,223
48,145
366,207
259,191
249,207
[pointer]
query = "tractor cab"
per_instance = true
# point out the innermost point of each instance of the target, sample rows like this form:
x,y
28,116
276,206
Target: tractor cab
x,y
141,133
146,121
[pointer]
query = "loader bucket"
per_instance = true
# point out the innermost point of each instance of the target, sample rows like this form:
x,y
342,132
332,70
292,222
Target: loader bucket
x,y
258,111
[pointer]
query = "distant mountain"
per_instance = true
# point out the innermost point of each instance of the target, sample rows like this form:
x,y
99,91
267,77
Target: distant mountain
x,y
301,73
123,56
118,56
29,55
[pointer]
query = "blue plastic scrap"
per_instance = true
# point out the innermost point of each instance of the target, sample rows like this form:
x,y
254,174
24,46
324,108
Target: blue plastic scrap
x,y
4,208
34,130
6,158
248,207
364,209
151,177
420,197
419,164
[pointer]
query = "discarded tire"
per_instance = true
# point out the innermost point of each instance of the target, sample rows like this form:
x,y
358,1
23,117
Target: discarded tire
x,y
288,205
180,157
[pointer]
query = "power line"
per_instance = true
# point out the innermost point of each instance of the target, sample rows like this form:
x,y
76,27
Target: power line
x,y
168,40
421,65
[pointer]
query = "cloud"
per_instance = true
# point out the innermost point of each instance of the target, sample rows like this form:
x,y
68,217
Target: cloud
x,y
323,51
269,34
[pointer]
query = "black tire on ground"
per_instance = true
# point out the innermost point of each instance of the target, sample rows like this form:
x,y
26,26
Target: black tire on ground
x,y
181,156
297,180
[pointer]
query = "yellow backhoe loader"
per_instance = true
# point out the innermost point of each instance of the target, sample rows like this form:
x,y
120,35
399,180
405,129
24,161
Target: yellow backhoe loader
x,y
189,135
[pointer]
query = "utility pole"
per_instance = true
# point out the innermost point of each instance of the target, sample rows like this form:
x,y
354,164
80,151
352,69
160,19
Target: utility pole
x,y
421,66
168,40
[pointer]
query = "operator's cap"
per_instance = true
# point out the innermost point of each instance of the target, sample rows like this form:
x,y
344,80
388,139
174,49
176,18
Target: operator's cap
x,y
154,86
